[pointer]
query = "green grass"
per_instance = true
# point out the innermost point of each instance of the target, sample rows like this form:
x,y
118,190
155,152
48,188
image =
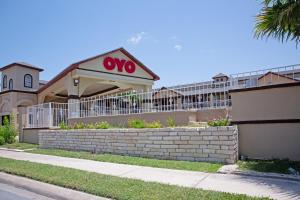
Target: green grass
x,y
18,145
169,164
276,166
107,186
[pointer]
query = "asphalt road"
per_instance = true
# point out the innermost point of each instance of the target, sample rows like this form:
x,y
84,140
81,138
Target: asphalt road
x,y
10,192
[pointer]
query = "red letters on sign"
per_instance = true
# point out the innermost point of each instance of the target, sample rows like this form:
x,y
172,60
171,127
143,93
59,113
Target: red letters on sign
x,y
110,63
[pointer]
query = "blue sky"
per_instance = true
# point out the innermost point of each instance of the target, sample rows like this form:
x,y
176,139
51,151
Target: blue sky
x,y
181,41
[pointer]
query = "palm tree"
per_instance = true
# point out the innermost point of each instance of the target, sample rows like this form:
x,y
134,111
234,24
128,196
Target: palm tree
x,y
279,19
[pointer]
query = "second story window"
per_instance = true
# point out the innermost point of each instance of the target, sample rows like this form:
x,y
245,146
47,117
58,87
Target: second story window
x,y
10,84
4,84
28,81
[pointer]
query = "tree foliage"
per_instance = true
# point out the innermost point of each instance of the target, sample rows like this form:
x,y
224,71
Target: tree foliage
x,y
279,19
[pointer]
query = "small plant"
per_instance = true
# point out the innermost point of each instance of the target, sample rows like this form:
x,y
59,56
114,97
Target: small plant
x,y
102,125
2,141
90,126
154,124
63,126
8,131
220,122
79,125
136,123
170,122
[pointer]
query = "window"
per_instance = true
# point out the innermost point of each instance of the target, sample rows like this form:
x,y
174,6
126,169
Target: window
x,y
10,84
28,81
4,84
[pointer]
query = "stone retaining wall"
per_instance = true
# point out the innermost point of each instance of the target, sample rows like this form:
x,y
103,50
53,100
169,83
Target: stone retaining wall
x,y
215,144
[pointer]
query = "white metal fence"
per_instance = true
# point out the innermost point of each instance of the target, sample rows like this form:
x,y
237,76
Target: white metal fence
x,y
46,115
196,96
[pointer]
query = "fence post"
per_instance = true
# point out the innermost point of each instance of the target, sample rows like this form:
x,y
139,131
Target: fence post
x,y
50,116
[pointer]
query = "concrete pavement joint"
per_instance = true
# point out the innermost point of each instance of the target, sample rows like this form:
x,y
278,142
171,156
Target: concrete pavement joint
x,y
202,179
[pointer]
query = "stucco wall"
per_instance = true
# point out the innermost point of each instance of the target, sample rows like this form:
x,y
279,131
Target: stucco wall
x,y
269,121
16,73
269,141
266,104
182,118
193,144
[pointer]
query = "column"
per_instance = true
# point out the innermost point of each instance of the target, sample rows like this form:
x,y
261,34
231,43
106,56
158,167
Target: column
x,y
74,106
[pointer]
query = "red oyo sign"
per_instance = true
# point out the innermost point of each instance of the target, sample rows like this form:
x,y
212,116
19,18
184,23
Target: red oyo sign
x,y
110,64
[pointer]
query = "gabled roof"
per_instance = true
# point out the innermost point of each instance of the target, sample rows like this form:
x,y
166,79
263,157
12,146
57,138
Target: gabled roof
x,y
276,74
220,75
76,65
167,89
22,64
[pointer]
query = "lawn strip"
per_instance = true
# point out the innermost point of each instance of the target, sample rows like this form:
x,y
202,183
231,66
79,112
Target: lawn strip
x,y
21,146
275,166
131,160
107,186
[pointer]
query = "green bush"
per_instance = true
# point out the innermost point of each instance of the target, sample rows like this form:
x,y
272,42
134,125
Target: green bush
x,y
136,123
102,125
170,122
2,141
220,122
8,131
63,126
154,124
90,126
79,125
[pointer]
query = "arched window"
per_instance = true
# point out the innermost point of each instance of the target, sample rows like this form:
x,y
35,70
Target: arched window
x,y
10,84
28,81
4,84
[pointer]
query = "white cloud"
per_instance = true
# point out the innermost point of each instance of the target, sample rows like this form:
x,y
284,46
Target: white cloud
x,y
178,47
136,39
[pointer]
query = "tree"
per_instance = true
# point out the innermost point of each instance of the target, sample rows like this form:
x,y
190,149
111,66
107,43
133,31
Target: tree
x,y
279,19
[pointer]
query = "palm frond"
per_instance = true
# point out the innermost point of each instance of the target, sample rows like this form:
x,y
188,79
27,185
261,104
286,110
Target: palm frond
x,y
279,19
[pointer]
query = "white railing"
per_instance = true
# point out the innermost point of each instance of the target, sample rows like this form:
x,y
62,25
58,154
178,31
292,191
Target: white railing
x,y
271,76
196,96
46,115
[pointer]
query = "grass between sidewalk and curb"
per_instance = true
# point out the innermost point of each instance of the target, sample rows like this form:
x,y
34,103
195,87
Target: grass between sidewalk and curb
x,y
274,166
20,146
108,186
130,160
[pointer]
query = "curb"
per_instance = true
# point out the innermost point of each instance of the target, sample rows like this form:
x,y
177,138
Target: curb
x,y
16,150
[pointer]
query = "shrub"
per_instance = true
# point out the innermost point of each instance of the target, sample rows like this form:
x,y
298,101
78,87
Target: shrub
x,y
79,125
136,123
2,141
63,126
102,125
154,124
220,122
90,126
8,131
170,122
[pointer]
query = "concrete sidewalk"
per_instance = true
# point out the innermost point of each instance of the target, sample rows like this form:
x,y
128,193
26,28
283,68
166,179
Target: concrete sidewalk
x,y
253,186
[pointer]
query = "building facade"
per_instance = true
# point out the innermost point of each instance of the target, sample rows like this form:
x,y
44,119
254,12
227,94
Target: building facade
x,y
116,83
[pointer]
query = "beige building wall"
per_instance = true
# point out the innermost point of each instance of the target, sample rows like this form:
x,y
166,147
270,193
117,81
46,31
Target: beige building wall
x,y
180,117
271,103
14,103
268,119
17,73
273,78
270,141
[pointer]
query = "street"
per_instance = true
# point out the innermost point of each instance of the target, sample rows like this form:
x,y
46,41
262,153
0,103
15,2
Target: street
x,y
10,192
